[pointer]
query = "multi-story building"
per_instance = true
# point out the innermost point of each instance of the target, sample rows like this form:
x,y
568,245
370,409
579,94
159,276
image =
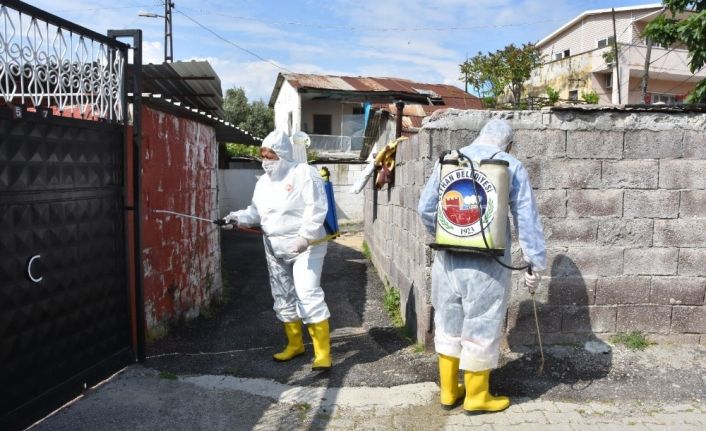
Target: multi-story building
x,y
579,58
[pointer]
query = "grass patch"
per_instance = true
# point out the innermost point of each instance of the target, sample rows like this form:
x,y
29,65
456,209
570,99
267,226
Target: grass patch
x,y
156,333
167,375
634,340
301,410
366,250
419,348
391,302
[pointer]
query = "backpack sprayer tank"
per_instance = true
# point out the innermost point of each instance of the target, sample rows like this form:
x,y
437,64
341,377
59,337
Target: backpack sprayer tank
x,y
473,204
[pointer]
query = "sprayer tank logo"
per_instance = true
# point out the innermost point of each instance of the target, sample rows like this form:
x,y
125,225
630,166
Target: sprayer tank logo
x,y
460,210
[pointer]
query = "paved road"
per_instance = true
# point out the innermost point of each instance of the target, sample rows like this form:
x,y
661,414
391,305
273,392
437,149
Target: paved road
x,y
216,374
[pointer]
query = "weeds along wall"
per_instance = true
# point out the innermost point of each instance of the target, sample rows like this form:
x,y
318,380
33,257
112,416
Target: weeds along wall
x,y
622,196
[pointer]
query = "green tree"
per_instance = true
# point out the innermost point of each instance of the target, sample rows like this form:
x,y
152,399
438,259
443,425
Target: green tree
x,y
256,118
235,105
690,31
520,64
492,74
260,121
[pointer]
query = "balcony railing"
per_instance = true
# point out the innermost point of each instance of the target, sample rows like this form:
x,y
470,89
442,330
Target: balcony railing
x,y
336,145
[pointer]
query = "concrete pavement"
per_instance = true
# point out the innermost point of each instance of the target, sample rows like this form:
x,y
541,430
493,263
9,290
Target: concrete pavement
x,y
139,399
216,373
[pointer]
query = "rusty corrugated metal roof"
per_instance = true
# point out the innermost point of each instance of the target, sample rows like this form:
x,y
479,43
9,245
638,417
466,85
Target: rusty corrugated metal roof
x,y
441,95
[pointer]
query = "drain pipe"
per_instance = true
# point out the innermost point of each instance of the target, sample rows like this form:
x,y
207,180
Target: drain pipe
x,y
400,109
136,67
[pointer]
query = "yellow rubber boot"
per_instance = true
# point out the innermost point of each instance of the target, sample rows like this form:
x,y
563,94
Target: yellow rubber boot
x,y
478,398
295,344
322,345
451,390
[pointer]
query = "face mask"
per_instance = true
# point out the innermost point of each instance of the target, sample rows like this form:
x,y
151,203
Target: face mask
x,y
270,166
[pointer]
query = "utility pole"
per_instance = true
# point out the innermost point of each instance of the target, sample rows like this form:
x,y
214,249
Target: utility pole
x,y
465,68
168,46
617,55
646,75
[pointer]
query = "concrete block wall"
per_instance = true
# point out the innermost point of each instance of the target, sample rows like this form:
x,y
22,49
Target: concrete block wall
x,y
623,202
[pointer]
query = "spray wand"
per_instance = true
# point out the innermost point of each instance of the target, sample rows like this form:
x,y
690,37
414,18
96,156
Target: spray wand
x,y
536,322
221,222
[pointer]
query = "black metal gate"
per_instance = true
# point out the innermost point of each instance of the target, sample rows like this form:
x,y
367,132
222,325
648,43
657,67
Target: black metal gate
x,y
64,310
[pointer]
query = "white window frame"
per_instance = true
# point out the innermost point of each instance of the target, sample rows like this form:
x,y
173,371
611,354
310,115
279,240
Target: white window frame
x,y
667,99
607,40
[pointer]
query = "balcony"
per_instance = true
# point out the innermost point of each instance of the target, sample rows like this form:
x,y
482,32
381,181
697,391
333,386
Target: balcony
x,y
664,63
330,144
347,144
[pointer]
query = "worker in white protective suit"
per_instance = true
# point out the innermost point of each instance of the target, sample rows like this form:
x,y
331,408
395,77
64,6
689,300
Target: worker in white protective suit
x,y
470,291
290,205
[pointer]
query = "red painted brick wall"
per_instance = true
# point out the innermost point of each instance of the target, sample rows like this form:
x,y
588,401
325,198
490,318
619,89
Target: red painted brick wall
x,y
181,257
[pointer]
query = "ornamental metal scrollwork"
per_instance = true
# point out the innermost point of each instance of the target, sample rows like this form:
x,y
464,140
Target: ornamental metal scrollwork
x,y
44,65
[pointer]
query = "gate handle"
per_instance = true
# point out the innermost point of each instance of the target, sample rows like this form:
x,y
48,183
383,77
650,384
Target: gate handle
x,y
29,269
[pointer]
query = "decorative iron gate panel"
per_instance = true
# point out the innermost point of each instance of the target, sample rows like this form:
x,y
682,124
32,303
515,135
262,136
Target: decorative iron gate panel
x,y
64,319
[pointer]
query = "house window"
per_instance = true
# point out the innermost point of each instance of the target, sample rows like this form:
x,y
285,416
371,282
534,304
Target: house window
x,y
290,120
574,95
322,124
609,80
563,54
358,110
663,99
602,43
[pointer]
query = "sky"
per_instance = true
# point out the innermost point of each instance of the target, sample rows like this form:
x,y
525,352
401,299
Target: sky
x,y
248,42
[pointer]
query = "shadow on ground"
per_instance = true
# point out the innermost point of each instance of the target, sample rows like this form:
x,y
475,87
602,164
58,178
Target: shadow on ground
x,y
239,339
569,369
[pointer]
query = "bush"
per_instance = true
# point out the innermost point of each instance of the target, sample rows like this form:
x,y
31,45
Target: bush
x,y
488,102
552,95
591,97
242,150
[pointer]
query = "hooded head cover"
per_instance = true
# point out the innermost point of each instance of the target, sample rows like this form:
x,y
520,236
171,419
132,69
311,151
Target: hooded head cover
x,y
279,142
497,133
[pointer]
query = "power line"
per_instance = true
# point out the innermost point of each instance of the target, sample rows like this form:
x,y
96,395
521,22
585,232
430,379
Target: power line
x,y
108,8
233,43
374,29
684,81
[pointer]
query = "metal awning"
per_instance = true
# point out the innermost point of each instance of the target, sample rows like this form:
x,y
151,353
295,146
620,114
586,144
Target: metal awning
x,y
193,89
193,83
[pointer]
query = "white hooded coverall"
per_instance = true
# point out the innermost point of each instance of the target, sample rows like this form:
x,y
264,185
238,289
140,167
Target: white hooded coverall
x,y
288,203
470,291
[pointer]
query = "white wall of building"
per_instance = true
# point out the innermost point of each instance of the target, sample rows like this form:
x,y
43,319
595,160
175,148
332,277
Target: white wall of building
x,y
584,35
236,186
288,103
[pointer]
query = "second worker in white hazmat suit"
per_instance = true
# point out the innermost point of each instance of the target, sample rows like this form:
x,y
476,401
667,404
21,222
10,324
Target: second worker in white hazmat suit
x,y
290,205
469,290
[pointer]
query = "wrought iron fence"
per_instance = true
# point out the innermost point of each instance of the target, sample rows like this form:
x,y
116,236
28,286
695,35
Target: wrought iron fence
x,y
46,61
